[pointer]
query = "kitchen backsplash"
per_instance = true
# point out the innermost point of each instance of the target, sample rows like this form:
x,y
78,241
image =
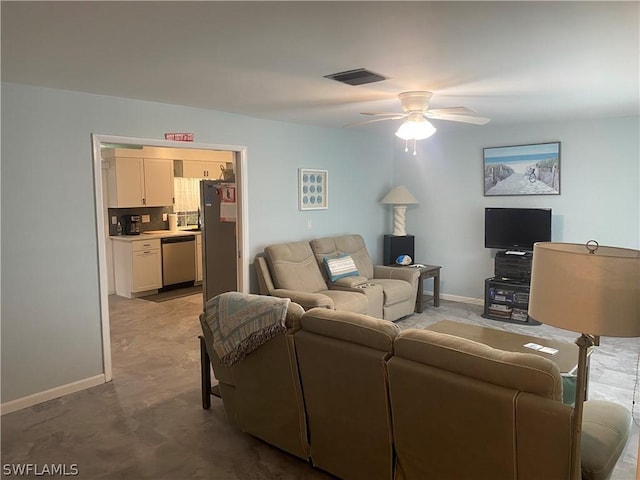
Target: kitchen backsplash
x,y
155,217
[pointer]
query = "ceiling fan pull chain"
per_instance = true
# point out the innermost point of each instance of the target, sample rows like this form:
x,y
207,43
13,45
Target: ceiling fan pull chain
x,y
406,145
415,152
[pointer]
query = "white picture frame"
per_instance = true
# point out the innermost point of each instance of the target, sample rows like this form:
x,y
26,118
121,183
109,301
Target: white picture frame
x,y
313,189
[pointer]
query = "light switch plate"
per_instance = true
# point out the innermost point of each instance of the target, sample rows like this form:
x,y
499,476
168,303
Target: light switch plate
x,y
146,218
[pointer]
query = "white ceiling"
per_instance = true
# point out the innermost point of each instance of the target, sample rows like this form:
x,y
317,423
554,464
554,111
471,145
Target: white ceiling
x,y
511,61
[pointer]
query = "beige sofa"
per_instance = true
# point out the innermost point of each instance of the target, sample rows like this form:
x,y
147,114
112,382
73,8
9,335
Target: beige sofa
x,y
296,270
504,410
361,400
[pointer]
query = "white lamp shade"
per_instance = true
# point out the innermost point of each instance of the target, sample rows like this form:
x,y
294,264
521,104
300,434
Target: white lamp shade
x,y
399,195
592,293
414,129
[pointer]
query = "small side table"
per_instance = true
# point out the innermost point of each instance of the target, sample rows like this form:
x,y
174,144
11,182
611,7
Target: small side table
x,y
428,271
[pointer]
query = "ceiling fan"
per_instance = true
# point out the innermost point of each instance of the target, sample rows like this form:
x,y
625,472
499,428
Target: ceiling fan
x,y
416,125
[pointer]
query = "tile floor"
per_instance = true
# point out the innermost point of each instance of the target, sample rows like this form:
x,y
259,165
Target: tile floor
x,y
148,422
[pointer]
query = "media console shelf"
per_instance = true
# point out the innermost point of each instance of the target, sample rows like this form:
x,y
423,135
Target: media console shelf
x,y
507,300
506,295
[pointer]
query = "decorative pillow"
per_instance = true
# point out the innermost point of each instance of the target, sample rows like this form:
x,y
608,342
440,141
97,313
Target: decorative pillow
x,y
340,267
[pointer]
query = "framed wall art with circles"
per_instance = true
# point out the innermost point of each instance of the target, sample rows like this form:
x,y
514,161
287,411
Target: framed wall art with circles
x,y
313,191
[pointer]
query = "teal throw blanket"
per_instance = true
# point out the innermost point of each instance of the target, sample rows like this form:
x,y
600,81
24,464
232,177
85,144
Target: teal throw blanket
x,y
241,322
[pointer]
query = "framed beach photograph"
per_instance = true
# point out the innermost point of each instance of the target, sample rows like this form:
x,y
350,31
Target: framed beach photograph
x,y
522,170
313,189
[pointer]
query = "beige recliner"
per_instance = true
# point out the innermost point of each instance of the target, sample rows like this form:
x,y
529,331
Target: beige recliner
x,y
399,285
290,270
262,394
342,367
464,410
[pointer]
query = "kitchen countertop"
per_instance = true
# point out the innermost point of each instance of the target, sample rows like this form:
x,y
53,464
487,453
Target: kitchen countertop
x,y
154,234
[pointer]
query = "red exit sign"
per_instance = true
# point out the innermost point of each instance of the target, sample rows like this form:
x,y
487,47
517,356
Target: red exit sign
x,y
179,137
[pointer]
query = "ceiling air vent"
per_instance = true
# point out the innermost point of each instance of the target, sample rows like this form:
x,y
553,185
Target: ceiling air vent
x,y
359,76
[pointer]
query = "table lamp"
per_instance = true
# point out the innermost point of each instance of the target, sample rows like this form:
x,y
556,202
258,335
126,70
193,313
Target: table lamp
x,y
591,290
399,197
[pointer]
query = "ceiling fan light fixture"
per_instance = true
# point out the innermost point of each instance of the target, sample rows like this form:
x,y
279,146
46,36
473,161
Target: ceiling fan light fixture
x,y
416,129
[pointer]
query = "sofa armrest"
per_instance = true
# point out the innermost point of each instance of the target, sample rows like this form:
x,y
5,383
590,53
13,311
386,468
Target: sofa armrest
x,y
407,274
304,299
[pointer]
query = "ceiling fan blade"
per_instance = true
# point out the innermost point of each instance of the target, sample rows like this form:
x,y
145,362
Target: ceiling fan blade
x,y
380,114
450,110
462,118
397,117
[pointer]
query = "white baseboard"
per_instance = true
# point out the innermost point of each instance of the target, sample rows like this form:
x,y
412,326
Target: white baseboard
x,y
50,394
458,298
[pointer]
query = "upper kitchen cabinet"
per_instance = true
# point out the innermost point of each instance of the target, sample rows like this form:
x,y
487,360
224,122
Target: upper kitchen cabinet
x,y
125,182
197,169
209,166
158,182
138,182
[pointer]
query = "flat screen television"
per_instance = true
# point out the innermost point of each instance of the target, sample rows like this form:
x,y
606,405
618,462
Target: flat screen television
x,y
516,228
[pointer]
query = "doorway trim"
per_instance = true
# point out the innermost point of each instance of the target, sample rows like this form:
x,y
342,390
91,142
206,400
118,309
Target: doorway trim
x,y
242,234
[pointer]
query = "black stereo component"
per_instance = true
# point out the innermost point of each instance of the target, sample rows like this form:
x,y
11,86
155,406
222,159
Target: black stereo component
x,y
513,267
396,245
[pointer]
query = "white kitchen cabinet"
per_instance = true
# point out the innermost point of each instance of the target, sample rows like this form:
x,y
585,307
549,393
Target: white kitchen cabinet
x,y
125,182
158,182
198,258
137,267
201,169
140,182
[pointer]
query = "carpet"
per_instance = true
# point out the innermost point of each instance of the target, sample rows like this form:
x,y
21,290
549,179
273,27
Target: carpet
x,y
173,294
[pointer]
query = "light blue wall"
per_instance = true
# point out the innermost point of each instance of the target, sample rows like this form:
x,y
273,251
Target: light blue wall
x,y
600,192
50,298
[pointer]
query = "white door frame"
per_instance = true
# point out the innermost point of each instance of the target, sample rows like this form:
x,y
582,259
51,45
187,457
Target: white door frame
x,y
242,232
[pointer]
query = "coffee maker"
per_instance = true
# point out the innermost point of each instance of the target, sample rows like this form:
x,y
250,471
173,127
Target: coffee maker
x,y
131,224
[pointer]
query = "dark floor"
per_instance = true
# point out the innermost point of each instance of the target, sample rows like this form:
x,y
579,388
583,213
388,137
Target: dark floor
x,y
148,422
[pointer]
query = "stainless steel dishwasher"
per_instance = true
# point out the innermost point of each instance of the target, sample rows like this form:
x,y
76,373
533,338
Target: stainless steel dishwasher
x,y
178,260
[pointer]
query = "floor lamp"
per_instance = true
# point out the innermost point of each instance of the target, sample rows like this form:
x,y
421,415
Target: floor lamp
x,y
588,289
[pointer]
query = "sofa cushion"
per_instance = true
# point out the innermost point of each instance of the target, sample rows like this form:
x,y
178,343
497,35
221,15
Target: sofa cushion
x,y
340,267
524,372
293,266
605,431
348,301
355,329
350,244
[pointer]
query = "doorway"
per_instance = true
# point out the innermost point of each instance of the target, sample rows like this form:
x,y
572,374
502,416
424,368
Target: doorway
x,y
102,227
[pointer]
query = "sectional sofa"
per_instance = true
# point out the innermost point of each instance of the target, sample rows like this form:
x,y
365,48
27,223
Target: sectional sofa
x,y
302,271
361,400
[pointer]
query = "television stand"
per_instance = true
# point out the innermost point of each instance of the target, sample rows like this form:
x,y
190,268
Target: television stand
x,y
507,300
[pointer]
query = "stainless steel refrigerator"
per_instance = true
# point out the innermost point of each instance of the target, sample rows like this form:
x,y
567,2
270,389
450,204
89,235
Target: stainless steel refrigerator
x,y
219,245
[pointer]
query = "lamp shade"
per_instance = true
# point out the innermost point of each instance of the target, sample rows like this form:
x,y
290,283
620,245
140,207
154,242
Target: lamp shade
x,y
399,195
593,293
416,129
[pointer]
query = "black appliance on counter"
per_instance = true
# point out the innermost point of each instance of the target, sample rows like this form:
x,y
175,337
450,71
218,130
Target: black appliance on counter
x,y
131,224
